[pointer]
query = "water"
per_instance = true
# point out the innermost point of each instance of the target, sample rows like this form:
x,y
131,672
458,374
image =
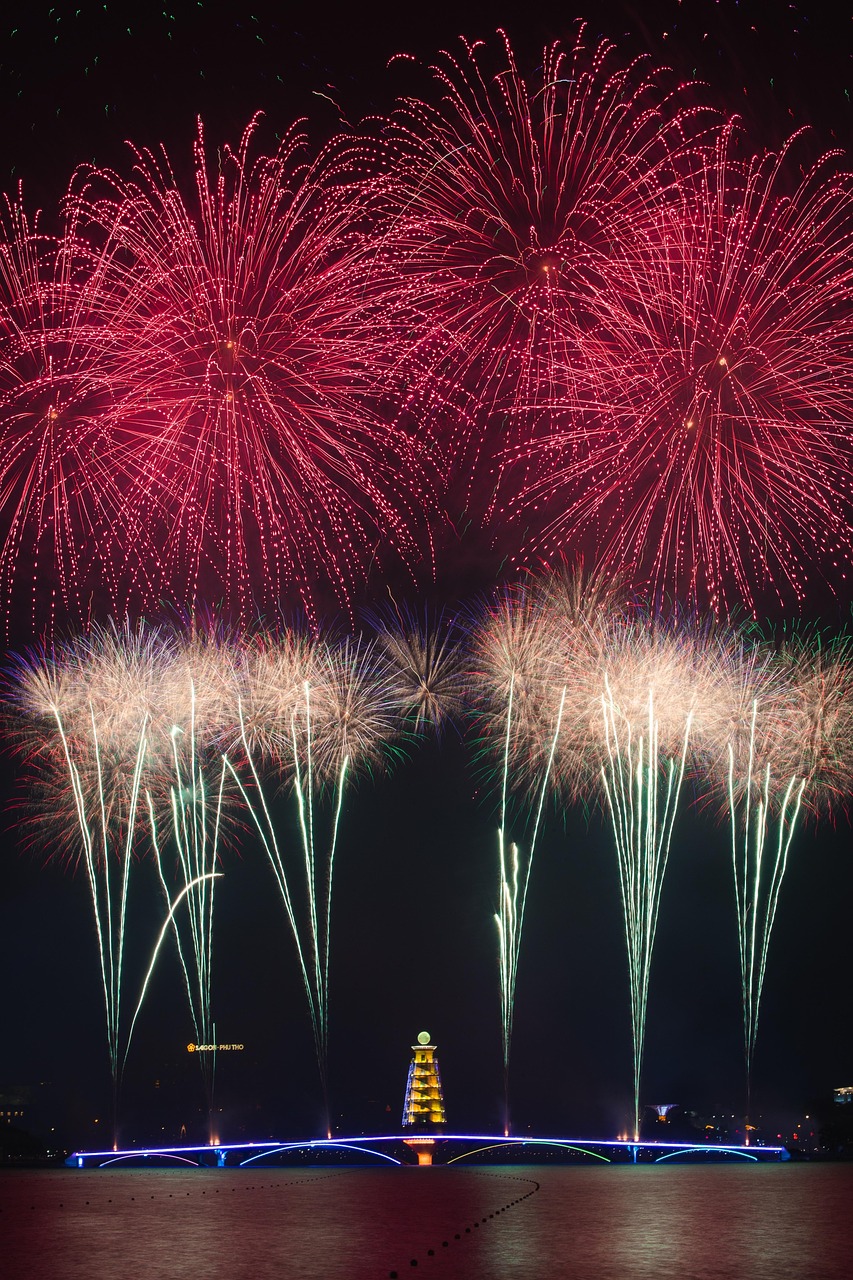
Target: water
x,y
500,1223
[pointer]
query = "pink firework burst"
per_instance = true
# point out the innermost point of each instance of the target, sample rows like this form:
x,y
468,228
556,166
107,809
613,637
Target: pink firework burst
x,y
265,463
715,455
67,533
500,213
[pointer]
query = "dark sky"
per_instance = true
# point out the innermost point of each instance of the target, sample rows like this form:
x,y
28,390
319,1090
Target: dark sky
x,y
77,80
413,942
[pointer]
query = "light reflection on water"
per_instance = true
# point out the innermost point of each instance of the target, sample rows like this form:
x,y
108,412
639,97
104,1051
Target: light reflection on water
x,y
594,1223
685,1222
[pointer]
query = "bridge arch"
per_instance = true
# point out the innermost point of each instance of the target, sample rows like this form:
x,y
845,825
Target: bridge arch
x,y
707,1151
318,1146
530,1142
144,1155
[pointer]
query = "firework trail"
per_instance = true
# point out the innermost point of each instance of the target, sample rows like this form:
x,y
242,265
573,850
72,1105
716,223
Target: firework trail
x,y
715,455
188,888
499,211
118,728
638,686
244,308
779,746
86,738
197,690
525,685
313,715
512,657
642,785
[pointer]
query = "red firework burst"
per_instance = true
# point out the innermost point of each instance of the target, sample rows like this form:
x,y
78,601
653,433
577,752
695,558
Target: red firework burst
x,y
65,524
715,456
502,210
264,465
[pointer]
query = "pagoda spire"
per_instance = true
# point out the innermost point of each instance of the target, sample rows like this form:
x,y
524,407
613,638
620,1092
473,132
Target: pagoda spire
x,y
423,1109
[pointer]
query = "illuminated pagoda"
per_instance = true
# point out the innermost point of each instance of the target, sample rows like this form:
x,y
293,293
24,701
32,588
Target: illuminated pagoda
x,y
423,1110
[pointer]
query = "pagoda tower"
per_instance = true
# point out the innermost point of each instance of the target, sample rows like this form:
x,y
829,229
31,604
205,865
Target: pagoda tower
x,y
423,1110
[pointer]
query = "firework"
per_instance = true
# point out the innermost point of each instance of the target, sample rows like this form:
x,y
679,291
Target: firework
x,y
714,457
637,686
500,211
87,753
532,655
314,715
427,658
243,309
521,711
516,658
641,776
67,533
118,726
779,746
197,690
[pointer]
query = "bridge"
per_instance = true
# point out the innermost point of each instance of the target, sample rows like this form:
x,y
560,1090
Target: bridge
x,y
450,1149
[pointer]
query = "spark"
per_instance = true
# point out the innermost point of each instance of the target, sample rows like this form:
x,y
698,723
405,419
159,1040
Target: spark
x,y
499,209
780,748
637,684
74,753
713,457
313,715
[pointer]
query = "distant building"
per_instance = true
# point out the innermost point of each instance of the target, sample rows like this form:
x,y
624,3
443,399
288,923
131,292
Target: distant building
x,y
662,1110
844,1094
15,1106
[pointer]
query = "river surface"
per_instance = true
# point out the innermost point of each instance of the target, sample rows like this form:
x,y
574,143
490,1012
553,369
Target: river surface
x,y
696,1222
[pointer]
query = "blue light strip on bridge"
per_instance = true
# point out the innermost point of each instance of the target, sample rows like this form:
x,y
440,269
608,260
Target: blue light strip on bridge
x,y
273,1146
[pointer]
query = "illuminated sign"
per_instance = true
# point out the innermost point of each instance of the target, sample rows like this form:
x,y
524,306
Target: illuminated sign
x,y
214,1048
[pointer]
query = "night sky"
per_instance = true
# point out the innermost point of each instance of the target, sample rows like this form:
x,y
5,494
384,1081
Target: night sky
x,y
413,936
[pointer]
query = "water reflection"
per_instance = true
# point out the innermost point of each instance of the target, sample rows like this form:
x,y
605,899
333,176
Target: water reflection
x,y
706,1223
632,1222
